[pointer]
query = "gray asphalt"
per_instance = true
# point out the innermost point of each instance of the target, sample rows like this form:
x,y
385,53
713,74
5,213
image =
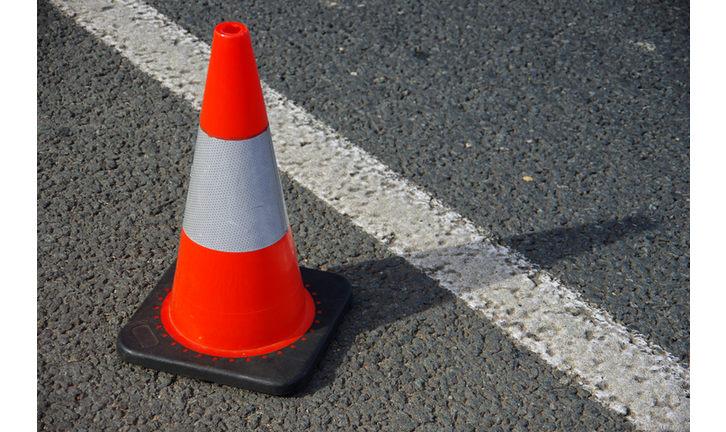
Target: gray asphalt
x,y
590,99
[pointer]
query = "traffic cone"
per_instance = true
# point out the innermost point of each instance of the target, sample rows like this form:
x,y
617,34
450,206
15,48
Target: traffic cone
x,y
235,308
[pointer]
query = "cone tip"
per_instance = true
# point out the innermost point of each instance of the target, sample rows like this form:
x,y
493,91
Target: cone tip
x,y
233,107
230,29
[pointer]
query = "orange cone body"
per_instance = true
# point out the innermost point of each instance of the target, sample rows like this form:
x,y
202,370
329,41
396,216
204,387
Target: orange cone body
x,y
237,287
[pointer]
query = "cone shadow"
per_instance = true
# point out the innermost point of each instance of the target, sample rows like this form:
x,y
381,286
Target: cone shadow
x,y
392,289
545,248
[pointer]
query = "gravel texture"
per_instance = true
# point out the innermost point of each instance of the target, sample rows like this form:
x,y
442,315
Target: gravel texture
x,y
114,153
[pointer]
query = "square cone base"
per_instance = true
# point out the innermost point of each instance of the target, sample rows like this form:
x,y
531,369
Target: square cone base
x,y
143,341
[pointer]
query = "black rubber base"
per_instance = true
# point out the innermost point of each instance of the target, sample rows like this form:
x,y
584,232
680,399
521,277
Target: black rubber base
x,y
143,341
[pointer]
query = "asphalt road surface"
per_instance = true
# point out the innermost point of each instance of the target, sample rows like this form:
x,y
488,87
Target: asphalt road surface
x,y
562,129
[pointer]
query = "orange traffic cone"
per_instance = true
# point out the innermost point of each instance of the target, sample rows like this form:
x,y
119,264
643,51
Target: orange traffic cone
x,y
235,308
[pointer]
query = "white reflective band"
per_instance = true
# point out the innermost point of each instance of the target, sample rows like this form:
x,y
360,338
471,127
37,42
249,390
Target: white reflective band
x,y
235,197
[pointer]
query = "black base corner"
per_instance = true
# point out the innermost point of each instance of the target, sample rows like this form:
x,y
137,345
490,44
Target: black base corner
x,y
143,341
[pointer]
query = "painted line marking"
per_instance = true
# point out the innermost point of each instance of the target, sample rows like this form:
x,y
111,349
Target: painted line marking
x,y
621,368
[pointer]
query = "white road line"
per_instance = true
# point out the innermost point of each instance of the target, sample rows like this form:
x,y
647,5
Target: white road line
x,y
623,370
